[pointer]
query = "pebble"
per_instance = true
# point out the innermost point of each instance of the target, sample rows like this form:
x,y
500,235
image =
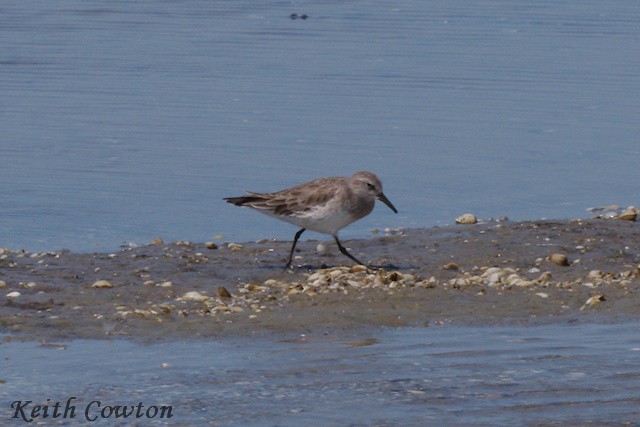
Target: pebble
x,y
321,248
157,241
193,296
102,284
467,219
3,284
149,283
542,294
595,274
211,245
166,284
14,294
559,259
235,246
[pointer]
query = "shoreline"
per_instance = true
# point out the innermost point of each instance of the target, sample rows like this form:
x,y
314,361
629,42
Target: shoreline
x,y
488,273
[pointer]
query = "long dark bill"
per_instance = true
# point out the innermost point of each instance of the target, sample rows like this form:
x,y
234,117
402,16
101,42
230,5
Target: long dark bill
x,y
386,201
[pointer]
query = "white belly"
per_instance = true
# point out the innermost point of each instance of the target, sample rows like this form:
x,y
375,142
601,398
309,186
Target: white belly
x,y
322,219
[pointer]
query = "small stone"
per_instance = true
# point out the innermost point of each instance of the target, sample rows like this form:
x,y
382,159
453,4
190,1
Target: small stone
x,y
321,248
467,219
157,241
223,292
149,283
165,365
3,284
211,245
166,284
559,259
235,246
542,294
451,266
102,284
194,296
595,274
14,294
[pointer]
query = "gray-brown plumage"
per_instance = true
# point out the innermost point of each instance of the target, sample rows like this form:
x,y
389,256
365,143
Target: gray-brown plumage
x,y
325,205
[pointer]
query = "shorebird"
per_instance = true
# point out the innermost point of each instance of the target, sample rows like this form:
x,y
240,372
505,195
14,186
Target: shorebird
x,y
325,205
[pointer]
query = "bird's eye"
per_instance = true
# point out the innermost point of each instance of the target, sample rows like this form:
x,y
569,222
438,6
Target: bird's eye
x,y
370,185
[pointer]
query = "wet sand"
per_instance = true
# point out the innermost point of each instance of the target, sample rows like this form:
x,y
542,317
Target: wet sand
x,y
483,274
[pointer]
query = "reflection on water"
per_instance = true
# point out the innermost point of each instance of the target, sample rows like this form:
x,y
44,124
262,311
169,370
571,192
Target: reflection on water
x,y
566,374
124,121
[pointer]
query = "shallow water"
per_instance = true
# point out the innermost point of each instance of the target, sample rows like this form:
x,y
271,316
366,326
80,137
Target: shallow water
x,y
565,374
130,120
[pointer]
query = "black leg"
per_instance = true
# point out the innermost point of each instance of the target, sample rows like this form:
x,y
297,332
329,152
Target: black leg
x,y
295,240
344,251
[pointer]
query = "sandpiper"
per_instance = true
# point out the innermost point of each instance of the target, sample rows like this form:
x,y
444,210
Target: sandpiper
x,y
325,205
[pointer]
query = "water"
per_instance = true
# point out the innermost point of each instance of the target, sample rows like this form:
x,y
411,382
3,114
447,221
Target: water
x,y
124,121
512,375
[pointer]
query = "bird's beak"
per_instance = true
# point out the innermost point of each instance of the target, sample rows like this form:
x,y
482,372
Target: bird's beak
x,y
386,201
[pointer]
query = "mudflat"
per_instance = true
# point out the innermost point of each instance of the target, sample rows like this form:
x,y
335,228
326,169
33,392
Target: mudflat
x,y
481,274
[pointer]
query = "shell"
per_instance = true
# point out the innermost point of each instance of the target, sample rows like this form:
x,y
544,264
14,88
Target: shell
x,y
467,219
102,284
559,259
630,214
223,292
193,296
451,266
593,301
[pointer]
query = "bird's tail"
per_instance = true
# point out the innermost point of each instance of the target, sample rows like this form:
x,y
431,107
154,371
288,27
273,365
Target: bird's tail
x,y
242,200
